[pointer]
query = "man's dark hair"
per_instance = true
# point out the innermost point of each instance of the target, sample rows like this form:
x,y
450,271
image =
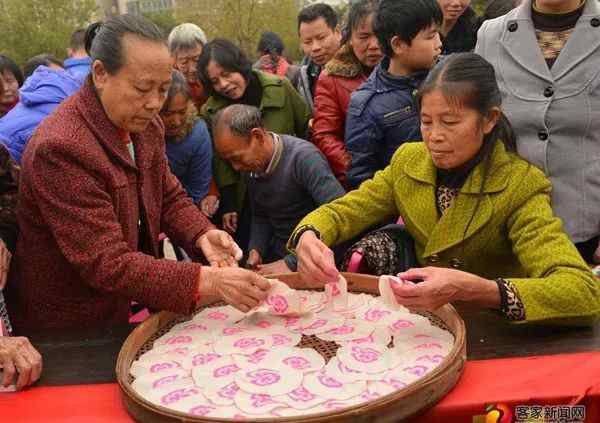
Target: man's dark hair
x,y
77,40
104,41
40,60
405,19
227,55
270,43
319,10
8,65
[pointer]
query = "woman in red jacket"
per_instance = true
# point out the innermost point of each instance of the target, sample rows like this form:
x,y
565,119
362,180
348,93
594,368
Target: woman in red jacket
x,y
343,74
95,193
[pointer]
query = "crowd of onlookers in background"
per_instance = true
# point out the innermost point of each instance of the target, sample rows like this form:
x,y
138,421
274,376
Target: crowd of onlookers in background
x,y
258,146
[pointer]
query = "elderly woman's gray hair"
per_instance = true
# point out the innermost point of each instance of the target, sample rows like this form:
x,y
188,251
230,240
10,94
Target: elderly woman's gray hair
x,y
186,36
240,119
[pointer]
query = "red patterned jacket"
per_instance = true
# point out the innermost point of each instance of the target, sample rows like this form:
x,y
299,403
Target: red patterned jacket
x,y
77,262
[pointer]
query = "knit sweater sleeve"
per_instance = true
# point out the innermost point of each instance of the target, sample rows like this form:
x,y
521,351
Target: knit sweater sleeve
x,y
314,174
358,210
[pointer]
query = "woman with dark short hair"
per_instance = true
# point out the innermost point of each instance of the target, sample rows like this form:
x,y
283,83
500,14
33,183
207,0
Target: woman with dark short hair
x,y
479,214
227,74
96,191
12,80
270,47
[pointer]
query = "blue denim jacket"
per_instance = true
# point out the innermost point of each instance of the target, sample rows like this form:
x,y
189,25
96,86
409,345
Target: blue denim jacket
x,y
382,115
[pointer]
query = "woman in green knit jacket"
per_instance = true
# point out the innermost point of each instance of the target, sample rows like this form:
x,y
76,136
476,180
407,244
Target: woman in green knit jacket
x,y
480,215
227,74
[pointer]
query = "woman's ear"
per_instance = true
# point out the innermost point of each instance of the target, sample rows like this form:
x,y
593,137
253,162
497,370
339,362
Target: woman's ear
x,y
490,121
99,75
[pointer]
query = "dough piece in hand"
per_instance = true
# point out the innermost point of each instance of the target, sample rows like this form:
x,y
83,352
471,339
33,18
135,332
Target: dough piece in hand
x,y
281,300
387,293
337,295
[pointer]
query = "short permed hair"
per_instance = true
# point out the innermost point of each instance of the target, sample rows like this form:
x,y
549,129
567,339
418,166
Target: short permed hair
x,y
186,36
319,10
405,19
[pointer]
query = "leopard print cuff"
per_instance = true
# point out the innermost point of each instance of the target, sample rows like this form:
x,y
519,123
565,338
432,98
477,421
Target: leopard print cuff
x,y
510,302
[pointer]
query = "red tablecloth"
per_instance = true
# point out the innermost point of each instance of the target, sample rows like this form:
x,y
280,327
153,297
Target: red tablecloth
x,y
544,380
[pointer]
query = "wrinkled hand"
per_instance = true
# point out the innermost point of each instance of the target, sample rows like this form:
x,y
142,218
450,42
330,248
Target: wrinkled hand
x,y
240,288
315,260
254,260
219,248
428,288
209,205
18,355
230,222
5,257
274,268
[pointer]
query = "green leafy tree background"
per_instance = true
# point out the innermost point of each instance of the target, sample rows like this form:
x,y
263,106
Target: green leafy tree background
x,y
31,27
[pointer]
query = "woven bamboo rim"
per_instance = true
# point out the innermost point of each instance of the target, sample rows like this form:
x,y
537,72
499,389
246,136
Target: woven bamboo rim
x,y
395,407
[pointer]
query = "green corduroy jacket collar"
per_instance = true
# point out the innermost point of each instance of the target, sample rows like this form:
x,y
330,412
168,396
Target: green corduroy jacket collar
x,y
456,225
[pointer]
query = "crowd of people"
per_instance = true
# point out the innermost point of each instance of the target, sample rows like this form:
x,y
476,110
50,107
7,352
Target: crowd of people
x,y
457,151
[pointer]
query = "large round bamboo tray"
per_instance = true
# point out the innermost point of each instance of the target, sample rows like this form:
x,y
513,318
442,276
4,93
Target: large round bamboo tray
x,y
398,406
